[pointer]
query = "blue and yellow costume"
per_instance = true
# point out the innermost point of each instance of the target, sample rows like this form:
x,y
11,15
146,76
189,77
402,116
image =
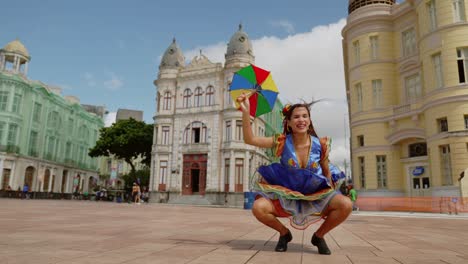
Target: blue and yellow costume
x,y
302,192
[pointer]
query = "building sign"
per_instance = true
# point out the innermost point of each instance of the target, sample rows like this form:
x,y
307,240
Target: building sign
x,y
418,171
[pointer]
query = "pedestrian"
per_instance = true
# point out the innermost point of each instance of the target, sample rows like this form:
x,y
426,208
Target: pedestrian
x,y
145,195
300,187
136,193
353,196
26,191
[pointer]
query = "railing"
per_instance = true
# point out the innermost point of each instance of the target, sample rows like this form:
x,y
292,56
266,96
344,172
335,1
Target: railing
x,y
9,148
33,153
441,205
401,109
49,156
70,162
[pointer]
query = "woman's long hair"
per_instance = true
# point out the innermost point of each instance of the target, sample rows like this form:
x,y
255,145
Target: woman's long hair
x,y
287,113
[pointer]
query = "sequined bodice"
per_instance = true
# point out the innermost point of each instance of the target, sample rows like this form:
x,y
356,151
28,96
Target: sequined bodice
x,y
289,157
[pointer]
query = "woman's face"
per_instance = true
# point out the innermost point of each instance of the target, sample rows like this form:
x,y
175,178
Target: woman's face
x,y
299,120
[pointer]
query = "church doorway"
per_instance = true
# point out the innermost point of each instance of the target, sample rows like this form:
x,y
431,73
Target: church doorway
x,y
194,174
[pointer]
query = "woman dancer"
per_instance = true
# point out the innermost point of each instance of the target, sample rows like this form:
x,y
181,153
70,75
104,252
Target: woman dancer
x,y
302,185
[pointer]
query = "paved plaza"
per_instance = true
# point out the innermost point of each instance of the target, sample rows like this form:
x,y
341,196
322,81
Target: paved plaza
x,y
72,232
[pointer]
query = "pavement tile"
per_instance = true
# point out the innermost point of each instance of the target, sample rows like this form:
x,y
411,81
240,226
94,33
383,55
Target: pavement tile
x,y
373,260
316,259
226,256
81,232
270,256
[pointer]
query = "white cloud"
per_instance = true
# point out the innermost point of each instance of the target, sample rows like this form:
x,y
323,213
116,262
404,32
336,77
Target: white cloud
x,y
114,83
215,53
305,66
109,119
284,24
89,78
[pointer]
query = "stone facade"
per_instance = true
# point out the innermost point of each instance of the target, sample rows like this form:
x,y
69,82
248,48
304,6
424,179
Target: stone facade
x,y
198,147
406,81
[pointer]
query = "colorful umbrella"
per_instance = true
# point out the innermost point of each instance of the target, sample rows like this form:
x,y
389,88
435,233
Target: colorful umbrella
x,y
259,87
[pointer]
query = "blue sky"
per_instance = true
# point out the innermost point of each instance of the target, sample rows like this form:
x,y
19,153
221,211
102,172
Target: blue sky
x,y
108,52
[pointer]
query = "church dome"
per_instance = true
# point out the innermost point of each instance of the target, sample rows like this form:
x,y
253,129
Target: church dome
x,y
173,56
239,44
16,47
355,4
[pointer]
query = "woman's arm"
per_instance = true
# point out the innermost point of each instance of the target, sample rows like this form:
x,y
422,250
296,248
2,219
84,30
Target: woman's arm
x,y
326,171
325,144
249,137
325,168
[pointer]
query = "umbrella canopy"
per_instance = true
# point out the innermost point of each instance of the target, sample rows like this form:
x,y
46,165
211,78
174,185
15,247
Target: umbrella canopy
x,y
259,87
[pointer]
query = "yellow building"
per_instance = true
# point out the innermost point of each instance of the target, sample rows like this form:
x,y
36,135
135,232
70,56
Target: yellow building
x,y
406,70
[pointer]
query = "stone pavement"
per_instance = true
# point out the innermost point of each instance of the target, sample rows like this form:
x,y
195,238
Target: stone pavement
x,y
73,232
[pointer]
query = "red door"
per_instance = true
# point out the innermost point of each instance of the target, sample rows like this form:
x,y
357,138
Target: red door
x,y
194,174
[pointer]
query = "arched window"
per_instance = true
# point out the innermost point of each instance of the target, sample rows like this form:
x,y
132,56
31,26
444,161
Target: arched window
x,y
195,133
187,97
167,101
210,95
198,97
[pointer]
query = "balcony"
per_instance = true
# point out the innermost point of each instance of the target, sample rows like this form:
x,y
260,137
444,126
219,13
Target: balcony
x,y
70,162
400,109
195,148
33,153
49,156
9,149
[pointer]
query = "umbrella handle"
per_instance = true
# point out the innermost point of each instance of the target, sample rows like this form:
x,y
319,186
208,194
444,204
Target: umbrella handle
x,y
247,95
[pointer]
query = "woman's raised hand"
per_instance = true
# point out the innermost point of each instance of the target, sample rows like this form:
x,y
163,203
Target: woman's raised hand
x,y
244,103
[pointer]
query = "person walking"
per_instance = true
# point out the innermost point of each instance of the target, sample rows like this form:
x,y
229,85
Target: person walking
x,y
26,191
136,193
353,196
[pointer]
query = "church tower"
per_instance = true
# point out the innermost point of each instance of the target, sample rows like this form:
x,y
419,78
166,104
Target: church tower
x,y
239,50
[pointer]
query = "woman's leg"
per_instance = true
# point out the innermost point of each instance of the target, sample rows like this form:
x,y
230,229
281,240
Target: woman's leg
x,y
338,210
265,212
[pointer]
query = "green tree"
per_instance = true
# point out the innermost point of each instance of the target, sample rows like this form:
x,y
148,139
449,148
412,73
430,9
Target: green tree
x,y
130,178
127,140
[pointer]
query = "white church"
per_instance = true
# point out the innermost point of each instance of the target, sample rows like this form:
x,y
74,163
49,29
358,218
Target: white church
x,y
198,154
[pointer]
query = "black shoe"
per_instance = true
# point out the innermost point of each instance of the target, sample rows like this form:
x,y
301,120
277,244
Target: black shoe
x,y
321,245
283,242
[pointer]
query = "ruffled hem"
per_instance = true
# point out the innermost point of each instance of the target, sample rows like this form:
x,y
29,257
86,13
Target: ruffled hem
x,y
302,213
304,208
292,195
